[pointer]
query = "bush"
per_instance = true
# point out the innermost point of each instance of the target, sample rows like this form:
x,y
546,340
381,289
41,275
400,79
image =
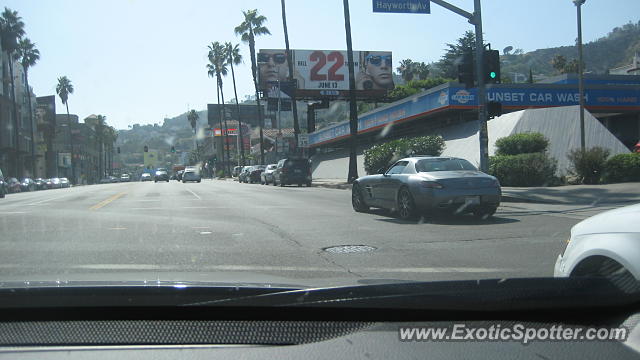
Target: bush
x,y
535,169
623,167
588,165
523,143
379,157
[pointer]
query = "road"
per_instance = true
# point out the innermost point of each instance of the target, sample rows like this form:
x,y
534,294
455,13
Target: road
x,y
220,226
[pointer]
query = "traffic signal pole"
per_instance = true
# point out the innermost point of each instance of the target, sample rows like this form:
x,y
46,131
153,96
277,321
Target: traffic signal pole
x,y
476,20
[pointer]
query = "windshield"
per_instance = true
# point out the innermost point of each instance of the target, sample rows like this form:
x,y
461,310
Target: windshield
x,y
422,153
430,165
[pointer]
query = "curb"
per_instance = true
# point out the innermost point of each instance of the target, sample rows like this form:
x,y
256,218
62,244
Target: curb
x,y
516,199
333,186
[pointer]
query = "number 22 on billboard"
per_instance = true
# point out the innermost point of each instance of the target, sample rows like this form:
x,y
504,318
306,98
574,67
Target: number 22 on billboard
x,y
321,59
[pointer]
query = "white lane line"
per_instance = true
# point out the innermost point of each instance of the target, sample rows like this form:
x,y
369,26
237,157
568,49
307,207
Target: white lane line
x,y
195,207
12,212
52,199
288,268
148,208
194,194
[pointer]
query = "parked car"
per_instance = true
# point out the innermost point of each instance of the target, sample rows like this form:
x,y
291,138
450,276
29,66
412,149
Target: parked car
x,y
55,183
13,185
125,178
27,184
145,177
254,173
427,184
49,183
244,174
191,175
267,175
41,184
64,183
607,244
3,185
236,171
292,171
161,175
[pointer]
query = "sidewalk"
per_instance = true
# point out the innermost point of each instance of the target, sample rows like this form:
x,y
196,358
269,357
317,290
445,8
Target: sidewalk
x,y
570,194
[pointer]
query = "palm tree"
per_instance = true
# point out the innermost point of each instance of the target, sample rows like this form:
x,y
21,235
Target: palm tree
x,y
422,70
252,26
111,135
192,117
353,107
28,55
11,30
218,58
64,89
233,52
406,69
211,72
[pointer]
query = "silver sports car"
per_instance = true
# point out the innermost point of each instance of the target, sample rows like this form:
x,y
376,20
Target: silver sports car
x,y
426,184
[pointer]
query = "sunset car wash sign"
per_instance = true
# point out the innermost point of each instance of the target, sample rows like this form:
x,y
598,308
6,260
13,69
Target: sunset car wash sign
x,y
402,6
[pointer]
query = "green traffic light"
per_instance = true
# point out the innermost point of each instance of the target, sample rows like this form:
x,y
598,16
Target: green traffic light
x,y
492,74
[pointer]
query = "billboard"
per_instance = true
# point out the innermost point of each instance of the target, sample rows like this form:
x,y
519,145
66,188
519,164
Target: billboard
x,y
325,73
46,110
248,114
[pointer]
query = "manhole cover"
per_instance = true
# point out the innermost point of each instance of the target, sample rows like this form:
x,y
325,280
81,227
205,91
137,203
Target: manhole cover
x,y
344,249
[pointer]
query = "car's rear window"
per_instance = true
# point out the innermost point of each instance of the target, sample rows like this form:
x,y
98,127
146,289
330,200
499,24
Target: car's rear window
x,y
297,163
429,165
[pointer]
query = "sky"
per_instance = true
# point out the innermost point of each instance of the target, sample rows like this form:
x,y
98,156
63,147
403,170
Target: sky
x,y
139,61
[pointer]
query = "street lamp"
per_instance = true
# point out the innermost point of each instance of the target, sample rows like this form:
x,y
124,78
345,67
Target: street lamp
x,y
579,4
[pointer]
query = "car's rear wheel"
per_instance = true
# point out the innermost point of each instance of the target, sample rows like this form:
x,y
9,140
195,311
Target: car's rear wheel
x,y
406,205
357,200
601,266
484,212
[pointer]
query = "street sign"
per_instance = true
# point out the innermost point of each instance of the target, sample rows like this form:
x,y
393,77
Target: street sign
x,y
402,6
303,140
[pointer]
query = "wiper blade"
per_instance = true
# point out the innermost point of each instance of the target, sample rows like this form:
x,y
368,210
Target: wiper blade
x,y
476,295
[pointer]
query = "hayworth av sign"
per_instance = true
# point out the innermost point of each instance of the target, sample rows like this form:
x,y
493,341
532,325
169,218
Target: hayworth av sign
x,y
402,6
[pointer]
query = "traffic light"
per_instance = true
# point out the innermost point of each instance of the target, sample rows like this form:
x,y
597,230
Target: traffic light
x,y
173,149
118,149
466,73
491,67
146,148
494,108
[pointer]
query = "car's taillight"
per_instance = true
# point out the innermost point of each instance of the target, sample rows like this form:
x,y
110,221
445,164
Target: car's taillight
x,y
284,170
432,185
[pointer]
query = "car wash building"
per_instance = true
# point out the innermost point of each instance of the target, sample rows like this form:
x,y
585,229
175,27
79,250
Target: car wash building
x,y
612,101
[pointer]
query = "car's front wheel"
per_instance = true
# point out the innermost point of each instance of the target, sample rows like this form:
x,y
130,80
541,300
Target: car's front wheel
x,y
406,205
357,200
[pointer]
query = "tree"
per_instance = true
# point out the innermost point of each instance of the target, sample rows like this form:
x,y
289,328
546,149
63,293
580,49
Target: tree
x,y
11,30
406,70
64,89
252,26
233,52
422,70
559,63
28,55
192,117
448,63
218,58
211,72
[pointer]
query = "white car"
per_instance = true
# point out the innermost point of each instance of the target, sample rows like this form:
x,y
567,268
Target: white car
x,y
606,244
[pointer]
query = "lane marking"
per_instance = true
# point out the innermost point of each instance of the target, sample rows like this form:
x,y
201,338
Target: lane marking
x,y
13,212
201,227
194,194
51,199
205,232
118,228
107,201
148,208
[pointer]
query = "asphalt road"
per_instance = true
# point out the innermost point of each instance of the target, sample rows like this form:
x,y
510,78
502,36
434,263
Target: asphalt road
x,y
217,227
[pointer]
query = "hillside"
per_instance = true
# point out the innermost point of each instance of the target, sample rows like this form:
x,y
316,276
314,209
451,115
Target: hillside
x,y
615,49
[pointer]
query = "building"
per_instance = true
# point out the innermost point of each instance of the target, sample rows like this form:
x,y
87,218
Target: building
x,y
614,100
631,69
18,151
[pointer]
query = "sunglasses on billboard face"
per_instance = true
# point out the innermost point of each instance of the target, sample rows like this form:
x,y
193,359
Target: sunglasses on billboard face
x,y
376,60
278,58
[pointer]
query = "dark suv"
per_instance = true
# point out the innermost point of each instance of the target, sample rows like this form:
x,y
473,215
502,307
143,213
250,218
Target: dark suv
x,y
292,171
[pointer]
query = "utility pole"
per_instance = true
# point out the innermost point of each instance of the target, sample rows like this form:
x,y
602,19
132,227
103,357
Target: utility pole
x,y
579,4
294,105
353,108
